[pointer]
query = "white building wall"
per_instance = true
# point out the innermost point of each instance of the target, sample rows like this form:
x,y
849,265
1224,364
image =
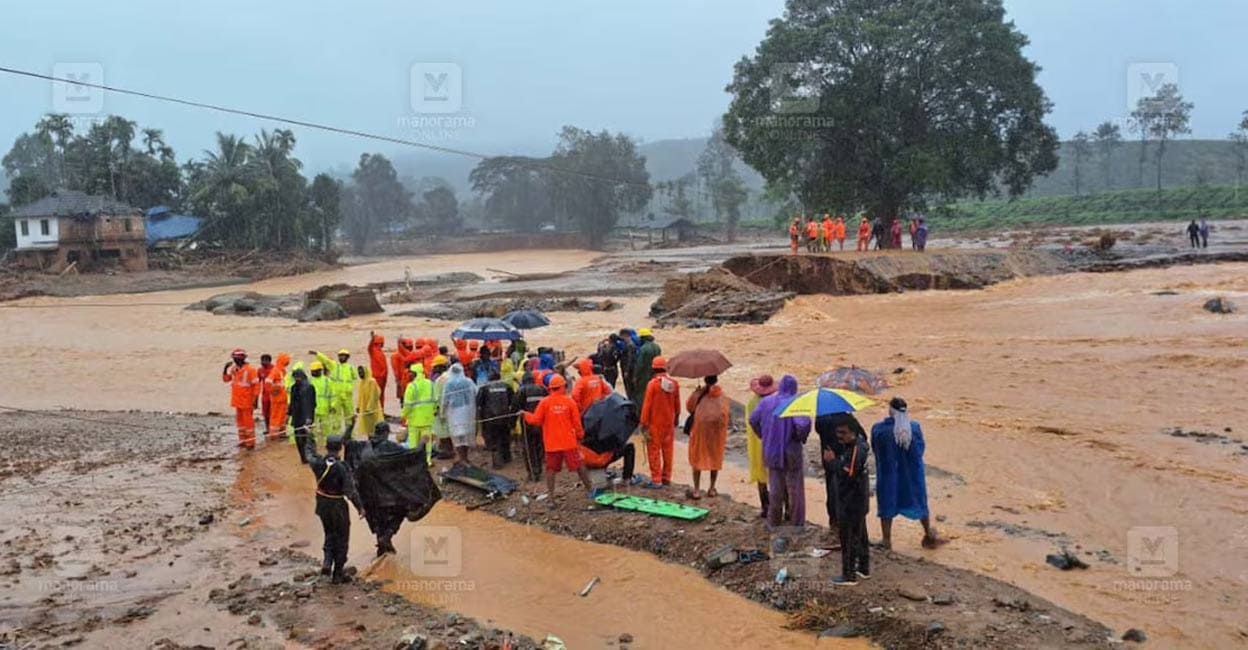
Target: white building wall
x,y
34,237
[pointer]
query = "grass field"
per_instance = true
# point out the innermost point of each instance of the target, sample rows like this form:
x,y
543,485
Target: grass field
x,y
1126,206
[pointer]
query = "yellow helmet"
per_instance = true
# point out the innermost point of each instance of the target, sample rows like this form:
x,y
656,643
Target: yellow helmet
x,y
316,365
645,331
345,351
440,361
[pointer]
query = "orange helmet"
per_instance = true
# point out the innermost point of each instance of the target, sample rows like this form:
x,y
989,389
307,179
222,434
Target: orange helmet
x,y
659,363
557,382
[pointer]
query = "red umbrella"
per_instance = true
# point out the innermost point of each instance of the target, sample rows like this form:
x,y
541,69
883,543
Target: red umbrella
x,y
697,363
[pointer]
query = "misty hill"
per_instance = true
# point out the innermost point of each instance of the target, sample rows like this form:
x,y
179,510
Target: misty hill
x,y
665,159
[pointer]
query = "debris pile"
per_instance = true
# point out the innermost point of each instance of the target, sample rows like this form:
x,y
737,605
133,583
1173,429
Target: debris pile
x,y
713,298
497,307
331,302
1219,305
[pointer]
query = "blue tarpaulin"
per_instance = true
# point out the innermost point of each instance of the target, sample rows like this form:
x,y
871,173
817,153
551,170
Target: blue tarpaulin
x,y
162,224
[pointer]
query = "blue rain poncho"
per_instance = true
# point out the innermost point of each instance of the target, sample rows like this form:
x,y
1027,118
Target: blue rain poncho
x,y
900,484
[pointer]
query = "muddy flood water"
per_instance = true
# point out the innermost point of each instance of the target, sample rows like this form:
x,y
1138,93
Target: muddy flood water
x,y
1048,405
525,579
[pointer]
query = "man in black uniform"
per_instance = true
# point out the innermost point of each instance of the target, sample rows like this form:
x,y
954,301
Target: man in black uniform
x,y
527,399
334,487
494,401
302,412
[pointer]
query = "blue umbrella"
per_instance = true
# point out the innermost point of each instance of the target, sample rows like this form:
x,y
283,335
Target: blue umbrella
x,y
486,329
526,319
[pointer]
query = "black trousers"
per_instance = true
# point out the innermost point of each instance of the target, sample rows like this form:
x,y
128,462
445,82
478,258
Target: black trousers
x,y
302,435
533,451
629,454
611,375
829,486
1195,241
336,521
498,440
855,549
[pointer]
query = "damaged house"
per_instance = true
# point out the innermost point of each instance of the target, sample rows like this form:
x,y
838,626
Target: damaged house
x,y
71,227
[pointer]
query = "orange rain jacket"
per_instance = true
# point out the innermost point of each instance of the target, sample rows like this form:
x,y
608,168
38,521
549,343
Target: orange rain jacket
x,y
827,228
377,362
560,421
590,387
244,384
840,229
399,362
661,405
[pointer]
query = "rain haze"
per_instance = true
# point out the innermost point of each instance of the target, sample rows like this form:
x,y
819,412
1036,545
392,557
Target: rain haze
x,y
652,69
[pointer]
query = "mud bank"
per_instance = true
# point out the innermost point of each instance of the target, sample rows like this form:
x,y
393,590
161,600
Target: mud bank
x,y
142,530
909,602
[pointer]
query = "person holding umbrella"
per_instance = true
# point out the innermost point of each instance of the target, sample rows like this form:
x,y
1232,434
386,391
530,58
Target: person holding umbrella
x,y
608,424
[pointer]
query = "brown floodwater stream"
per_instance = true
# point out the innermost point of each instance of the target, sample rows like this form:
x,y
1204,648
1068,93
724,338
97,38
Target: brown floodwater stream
x,y
525,579
1046,402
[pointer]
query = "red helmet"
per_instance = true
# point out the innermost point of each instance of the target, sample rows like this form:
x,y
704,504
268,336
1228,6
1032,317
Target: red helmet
x,y
239,352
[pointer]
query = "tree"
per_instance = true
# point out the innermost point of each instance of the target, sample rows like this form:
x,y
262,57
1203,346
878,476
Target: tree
x,y
717,167
326,197
515,191
594,178
1162,117
884,103
33,155
26,189
374,201
1108,137
440,209
678,191
223,190
1081,147
1239,144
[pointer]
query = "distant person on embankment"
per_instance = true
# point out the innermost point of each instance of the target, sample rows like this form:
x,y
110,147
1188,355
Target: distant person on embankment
x,y
900,484
920,235
1204,233
864,235
894,232
1193,233
840,232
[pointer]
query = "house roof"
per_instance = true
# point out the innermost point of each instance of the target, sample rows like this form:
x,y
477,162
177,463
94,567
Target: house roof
x,y
70,203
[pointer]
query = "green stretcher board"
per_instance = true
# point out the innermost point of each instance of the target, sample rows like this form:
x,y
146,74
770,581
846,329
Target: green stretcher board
x,y
651,506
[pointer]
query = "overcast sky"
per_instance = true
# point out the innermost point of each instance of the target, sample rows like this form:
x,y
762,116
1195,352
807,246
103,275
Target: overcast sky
x,y
655,69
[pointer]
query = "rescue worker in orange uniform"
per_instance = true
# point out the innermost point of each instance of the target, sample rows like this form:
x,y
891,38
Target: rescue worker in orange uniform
x,y
589,388
461,352
828,230
244,389
266,365
377,362
795,234
812,236
560,421
399,364
274,386
839,231
659,412
864,234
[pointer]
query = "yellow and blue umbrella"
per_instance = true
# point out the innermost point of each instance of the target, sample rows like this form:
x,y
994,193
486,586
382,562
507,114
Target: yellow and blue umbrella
x,y
823,401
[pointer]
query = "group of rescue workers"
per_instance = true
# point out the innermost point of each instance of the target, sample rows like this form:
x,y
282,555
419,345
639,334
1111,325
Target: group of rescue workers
x,y
819,235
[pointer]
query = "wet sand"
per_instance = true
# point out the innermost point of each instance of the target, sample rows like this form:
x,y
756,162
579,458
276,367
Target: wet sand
x,y
1048,397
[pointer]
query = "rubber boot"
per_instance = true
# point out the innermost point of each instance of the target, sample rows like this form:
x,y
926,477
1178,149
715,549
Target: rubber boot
x,y
764,498
327,565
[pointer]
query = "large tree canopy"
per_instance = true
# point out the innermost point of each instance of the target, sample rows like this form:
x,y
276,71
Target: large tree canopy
x,y
596,177
880,104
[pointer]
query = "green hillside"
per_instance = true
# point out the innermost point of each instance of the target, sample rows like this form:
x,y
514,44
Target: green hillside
x,y
1125,206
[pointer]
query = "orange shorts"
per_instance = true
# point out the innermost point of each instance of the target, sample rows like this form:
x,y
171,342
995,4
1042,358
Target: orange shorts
x,y
570,457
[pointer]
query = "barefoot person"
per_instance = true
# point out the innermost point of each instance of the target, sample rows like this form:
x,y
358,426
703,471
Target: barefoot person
x,y
708,406
900,485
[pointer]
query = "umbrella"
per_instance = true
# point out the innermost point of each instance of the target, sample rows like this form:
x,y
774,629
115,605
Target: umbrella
x,y
853,378
526,319
697,363
609,423
823,401
486,329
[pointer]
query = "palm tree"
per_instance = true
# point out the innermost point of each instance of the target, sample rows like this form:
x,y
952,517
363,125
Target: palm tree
x,y
226,184
154,140
58,127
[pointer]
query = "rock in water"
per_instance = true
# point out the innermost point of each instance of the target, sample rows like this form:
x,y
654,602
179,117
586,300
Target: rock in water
x,y
1135,634
321,311
1219,305
841,632
1065,560
353,300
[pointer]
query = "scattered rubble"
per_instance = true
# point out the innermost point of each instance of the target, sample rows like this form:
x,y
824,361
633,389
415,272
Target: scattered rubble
x,y
330,302
715,297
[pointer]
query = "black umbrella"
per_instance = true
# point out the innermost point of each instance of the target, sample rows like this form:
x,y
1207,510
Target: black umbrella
x,y
609,423
526,319
486,329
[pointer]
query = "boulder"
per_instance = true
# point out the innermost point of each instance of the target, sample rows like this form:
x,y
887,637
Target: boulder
x,y
321,311
1219,305
353,300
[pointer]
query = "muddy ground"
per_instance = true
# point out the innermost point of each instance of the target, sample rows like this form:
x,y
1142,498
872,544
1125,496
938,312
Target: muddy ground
x,y
136,530
909,602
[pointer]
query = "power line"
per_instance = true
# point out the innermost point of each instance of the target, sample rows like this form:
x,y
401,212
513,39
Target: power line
x,y
314,125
